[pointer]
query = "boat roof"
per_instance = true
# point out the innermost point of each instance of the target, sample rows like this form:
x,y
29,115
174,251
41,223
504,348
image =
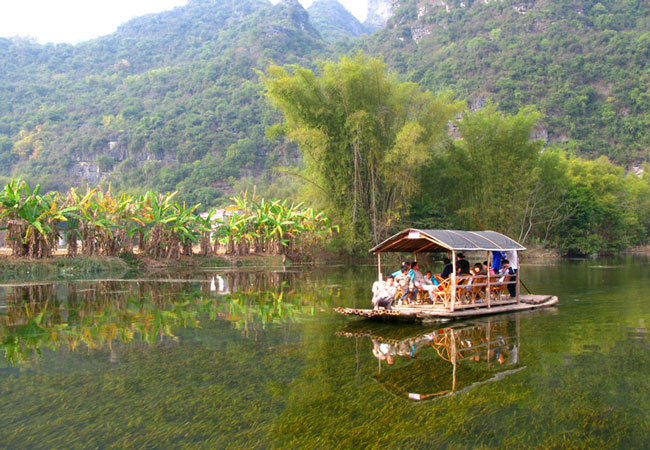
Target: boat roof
x,y
413,240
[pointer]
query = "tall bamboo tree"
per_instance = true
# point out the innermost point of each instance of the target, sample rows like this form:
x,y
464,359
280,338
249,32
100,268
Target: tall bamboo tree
x,y
363,135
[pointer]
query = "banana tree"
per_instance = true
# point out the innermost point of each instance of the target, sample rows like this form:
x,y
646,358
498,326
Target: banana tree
x,y
204,226
171,228
31,219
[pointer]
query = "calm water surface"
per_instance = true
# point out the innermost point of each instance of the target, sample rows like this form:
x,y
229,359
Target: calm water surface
x,y
257,359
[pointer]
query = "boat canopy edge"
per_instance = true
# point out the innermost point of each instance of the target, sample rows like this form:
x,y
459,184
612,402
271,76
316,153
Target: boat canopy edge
x,y
413,240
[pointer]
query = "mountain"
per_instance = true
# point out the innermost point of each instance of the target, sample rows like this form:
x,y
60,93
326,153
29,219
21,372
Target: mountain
x,y
333,21
583,63
172,100
379,11
169,100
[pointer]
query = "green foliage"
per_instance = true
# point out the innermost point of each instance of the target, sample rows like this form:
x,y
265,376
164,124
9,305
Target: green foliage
x,y
274,227
172,102
582,63
106,225
606,216
31,219
169,101
495,176
362,134
490,167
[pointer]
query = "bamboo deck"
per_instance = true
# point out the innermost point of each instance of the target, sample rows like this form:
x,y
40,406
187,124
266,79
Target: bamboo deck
x,y
427,311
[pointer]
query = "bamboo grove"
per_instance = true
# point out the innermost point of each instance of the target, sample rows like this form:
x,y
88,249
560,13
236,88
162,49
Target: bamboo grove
x,y
99,223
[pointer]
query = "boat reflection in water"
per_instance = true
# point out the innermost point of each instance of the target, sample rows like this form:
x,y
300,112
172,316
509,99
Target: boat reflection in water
x,y
422,363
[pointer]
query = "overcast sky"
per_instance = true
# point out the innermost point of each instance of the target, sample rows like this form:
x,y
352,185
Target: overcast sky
x,y
74,21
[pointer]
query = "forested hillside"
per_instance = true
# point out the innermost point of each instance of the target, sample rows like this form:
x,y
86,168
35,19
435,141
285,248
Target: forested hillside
x,y
584,63
173,102
170,100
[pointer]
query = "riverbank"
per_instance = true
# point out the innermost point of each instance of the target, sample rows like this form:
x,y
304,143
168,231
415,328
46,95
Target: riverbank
x,y
127,264
537,252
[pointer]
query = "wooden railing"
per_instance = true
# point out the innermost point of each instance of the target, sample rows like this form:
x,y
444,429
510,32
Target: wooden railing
x,y
471,291
475,290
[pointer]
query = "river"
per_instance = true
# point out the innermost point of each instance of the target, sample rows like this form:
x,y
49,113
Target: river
x,y
257,359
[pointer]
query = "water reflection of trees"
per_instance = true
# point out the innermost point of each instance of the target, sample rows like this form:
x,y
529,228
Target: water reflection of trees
x,y
422,363
97,314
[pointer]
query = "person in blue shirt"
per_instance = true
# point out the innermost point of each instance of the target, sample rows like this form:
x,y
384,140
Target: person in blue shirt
x,y
497,258
404,264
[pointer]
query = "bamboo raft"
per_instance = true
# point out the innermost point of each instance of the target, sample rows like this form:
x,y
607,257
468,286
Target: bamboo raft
x,y
460,295
423,312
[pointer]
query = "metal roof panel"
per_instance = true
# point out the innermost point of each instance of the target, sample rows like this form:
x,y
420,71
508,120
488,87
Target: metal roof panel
x,y
414,240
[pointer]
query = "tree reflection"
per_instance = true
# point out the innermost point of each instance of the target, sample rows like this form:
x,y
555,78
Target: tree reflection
x,y
95,315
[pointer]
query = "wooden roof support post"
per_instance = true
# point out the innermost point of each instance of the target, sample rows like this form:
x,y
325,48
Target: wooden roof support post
x,y
517,275
453,279
488,293
379,265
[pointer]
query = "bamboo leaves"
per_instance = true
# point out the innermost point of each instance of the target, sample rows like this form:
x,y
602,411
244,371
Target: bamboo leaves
x,y
364,136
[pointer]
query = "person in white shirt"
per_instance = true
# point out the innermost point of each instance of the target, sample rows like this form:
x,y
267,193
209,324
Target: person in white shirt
x,y
422,282
384,295
512,258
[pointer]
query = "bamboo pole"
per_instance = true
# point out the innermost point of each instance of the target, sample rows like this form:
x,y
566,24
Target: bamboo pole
x,y
379,265
488,294
453,279
517,275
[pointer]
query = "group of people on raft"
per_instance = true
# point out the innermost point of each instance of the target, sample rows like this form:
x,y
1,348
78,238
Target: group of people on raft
x,y
409,279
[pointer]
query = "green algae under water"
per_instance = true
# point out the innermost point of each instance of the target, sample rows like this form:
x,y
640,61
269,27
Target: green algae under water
x,y
259,360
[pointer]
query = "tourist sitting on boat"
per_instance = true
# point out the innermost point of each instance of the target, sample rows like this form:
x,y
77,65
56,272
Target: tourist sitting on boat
x,y
508,274
487,268
478,270
462,265
421,282
405,282
430,279
384,293
418,278
446,271
377,285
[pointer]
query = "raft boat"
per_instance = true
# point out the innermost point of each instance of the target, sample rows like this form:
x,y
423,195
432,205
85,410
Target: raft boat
x,y
458,296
